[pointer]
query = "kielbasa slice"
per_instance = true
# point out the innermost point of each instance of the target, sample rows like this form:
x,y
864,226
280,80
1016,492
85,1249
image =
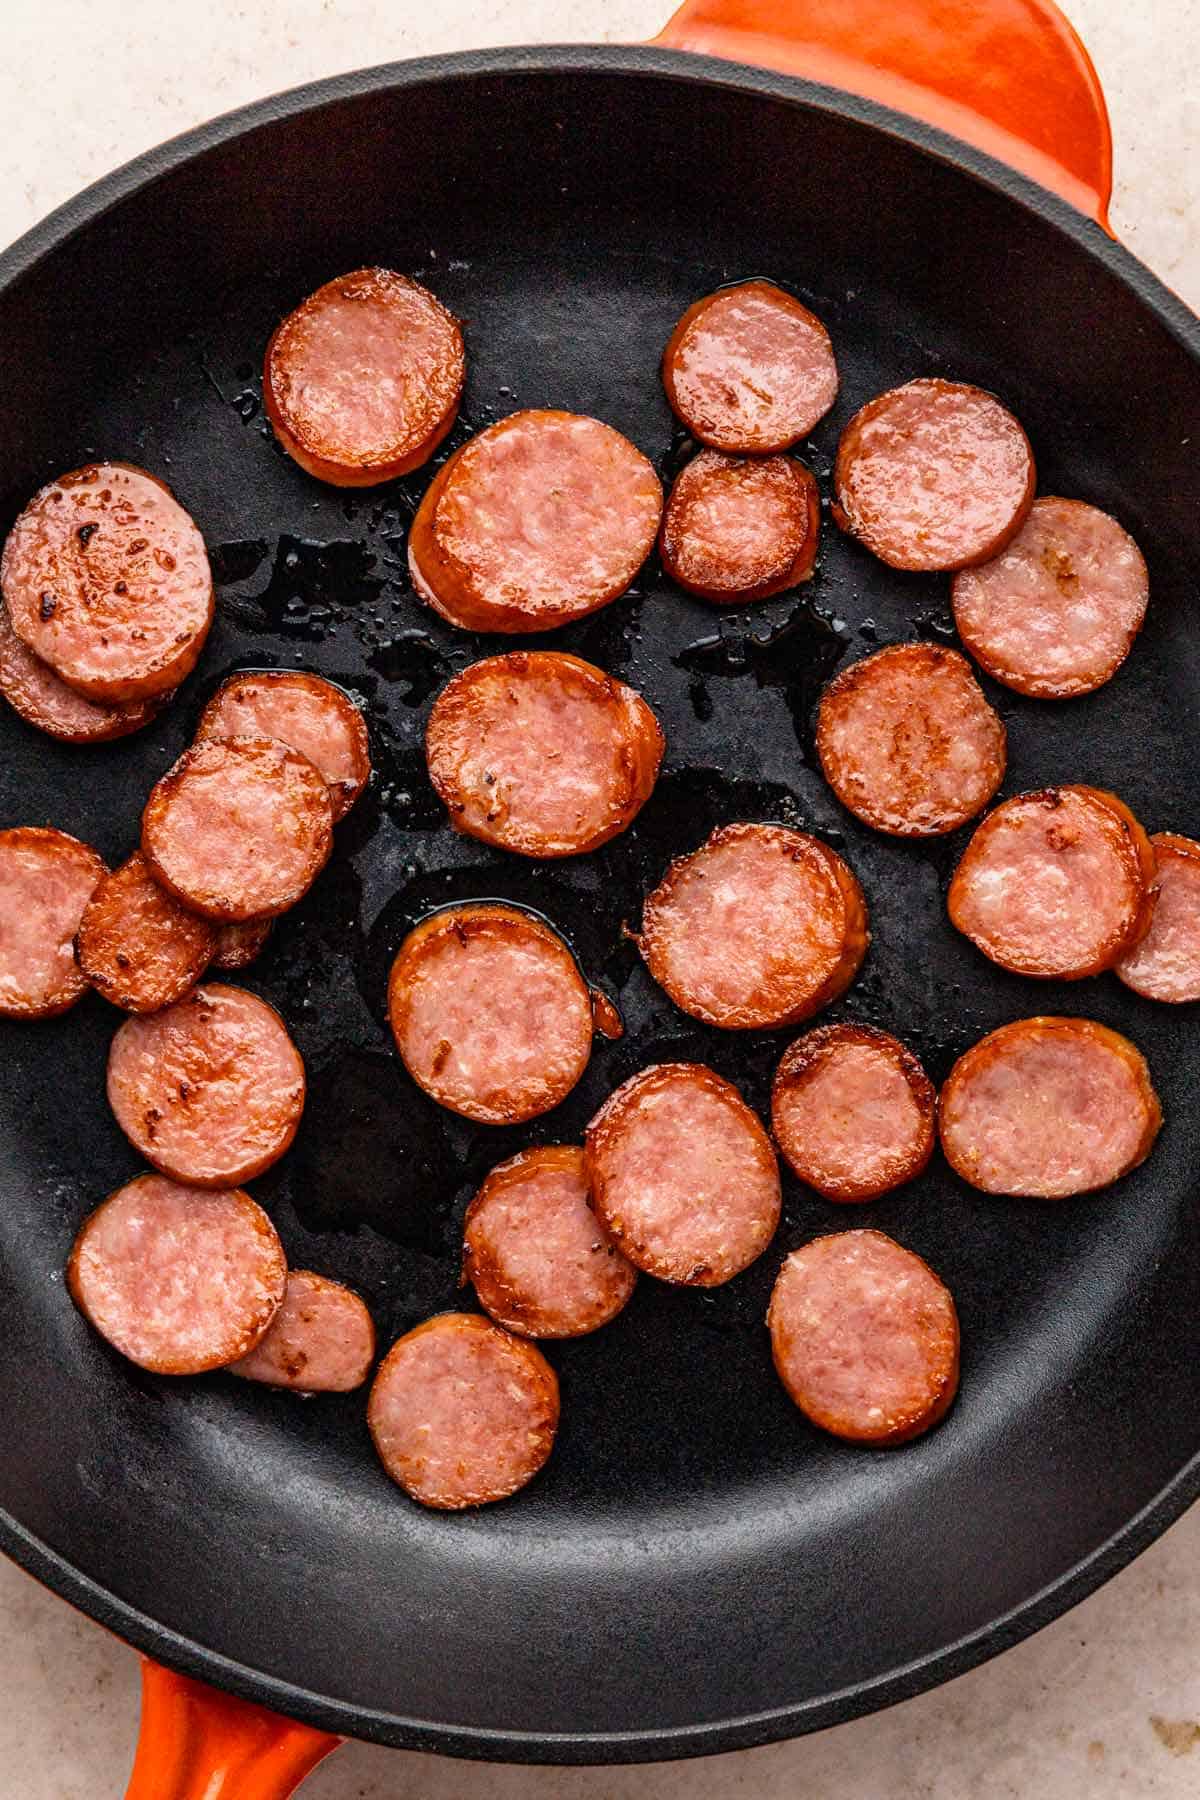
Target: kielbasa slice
x,y
321,1341
463,1413
239,828
490,1013
46,880
908,742
106,578
738,528
362,382
865,1337
303,711
542,753
933,475
44,700
750,369
683,1175
1166,964
1056,883
760,926
538,520
137,944
241,944
540,1261
1056,613
853,1112
210,1090
178,1279
1048,1107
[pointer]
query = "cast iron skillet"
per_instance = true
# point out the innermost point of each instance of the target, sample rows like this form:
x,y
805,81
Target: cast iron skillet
x,y
696,1569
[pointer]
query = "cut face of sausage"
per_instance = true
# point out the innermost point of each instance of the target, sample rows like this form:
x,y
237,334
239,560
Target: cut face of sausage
x,y
362,382
137,945
462,1413
853,1112
46,880
306,713
542,753
540,1261
1058,883
1048,1107
321,1341
740,528
1056,613
178,1279
865,1338
239,828
44,700
683,1175
750,369
490,1013
933,475
761,926
210,1090
106,578
241,944
539,520
908,742
1166,964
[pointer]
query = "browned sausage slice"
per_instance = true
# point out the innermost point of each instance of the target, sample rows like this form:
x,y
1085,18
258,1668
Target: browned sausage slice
x,y
362,382
542,753
46,880
1166,964
683,1175
1048,1107
490,1012
536,521
106,578
303,711
540,1261
1056,883
761,926
908,742
463,1413
137,945
865,1337
739,528
178,1279
239,828
44,700
750,369
853,1111
933,475
321,1341
1056,613
241,944
210,1090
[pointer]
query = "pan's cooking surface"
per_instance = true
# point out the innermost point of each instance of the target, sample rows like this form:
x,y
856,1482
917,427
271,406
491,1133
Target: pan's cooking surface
x,y
695,1559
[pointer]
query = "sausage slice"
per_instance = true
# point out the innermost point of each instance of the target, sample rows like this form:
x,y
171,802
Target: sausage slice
x,y
1059,882
490,1012
853,1111
750,369
44,700
362,382
542,753
106,578
540,1261
321,1341
683,1175
210,1090
137,945
240,944
761,926
739,528
933,475
178,1279
239,828
462,1413
303,711
865,1338
1166,964
1056,613
46,880
536,521
1048,1107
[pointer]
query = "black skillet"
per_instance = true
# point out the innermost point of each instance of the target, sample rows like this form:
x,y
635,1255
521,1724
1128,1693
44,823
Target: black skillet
x,y
696,1569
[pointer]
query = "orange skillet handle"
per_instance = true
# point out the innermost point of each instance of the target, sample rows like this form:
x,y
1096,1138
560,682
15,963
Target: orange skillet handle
x,y
1009,76
198,1744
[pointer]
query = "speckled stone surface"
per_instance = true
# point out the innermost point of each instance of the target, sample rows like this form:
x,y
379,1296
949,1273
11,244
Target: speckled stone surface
x,y
1105,1702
